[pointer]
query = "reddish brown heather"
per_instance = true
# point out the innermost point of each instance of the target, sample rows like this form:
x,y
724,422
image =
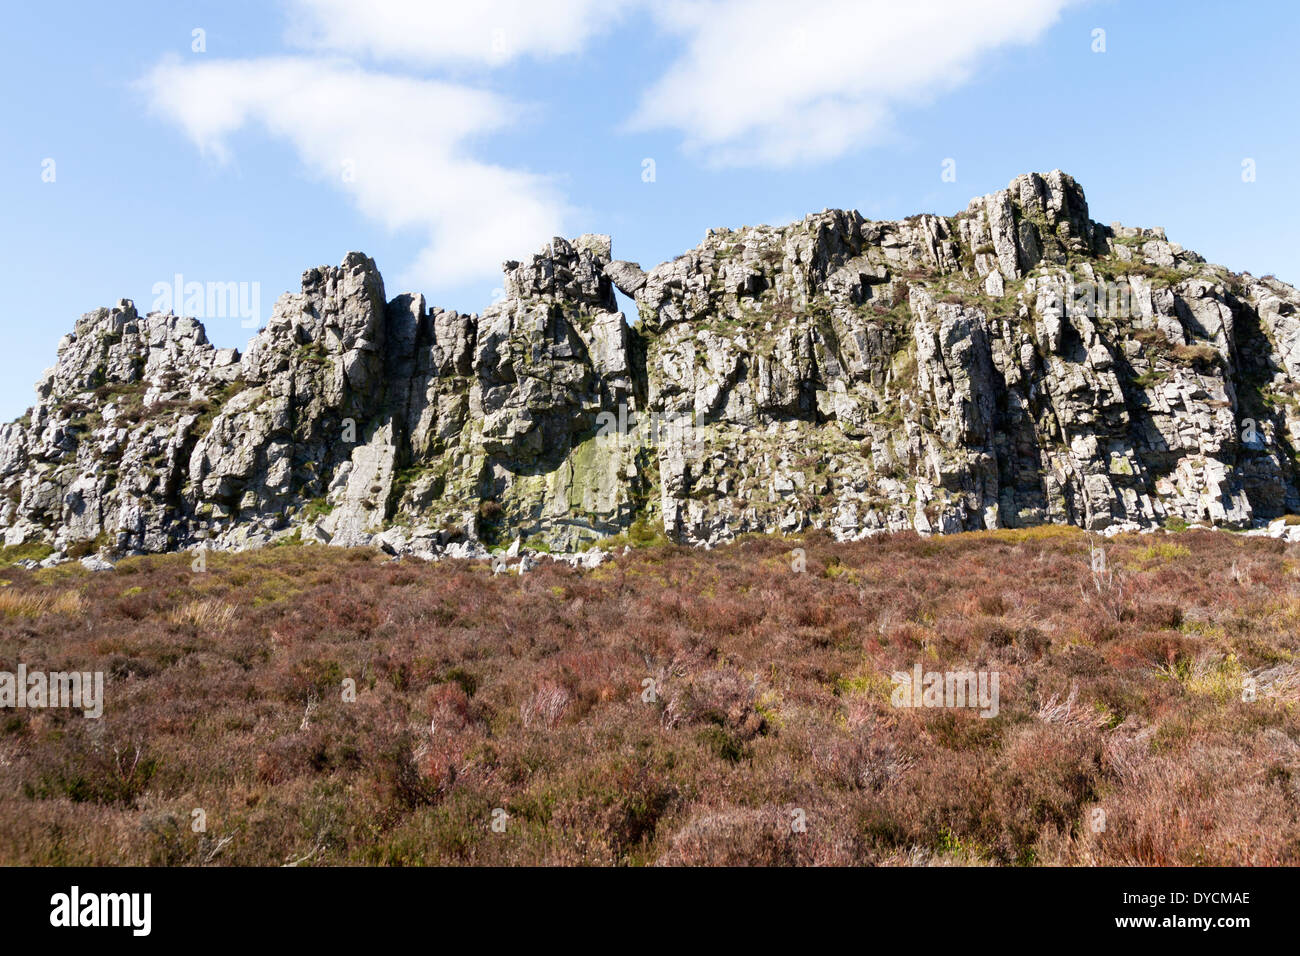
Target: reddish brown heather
x,y
477,692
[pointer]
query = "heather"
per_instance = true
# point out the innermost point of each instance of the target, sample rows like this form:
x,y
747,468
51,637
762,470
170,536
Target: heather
x,y
672,706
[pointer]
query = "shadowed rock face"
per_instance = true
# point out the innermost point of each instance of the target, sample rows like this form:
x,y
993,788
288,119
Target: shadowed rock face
x,y
1011,365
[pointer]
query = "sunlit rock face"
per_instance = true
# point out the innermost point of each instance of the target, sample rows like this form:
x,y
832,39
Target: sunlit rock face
x,y
1012,365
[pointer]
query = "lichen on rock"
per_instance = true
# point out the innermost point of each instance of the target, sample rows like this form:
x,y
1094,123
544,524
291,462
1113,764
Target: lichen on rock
x,y
1011,365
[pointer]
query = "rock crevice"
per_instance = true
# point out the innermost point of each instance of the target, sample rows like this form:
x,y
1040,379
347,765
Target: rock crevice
x,y
1014,364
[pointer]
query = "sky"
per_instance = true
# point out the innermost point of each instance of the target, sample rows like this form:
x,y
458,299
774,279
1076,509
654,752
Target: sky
x,y
154,148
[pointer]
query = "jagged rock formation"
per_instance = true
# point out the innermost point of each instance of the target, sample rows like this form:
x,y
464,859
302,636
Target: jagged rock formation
x,y
1014,364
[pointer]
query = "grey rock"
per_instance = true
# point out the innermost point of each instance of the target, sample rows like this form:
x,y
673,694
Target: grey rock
x,y
936,373
628,277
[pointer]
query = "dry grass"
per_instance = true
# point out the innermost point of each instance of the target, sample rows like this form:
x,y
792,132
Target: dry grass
x,y
39,603
209,615
670,707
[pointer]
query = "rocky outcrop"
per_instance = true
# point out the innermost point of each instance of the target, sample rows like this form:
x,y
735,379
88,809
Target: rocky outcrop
x,y
1011,365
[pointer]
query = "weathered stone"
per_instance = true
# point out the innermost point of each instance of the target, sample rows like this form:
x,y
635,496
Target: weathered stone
x,y
935,374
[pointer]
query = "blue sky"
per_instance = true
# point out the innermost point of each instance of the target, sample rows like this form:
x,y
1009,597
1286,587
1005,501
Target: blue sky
x,y
443,138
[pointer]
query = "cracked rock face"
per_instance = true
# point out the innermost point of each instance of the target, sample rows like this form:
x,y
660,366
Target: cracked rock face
x,y
1011,365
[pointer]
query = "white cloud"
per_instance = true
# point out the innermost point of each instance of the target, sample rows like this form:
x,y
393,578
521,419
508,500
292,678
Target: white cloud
x,y
757,82
403,139
429,34
770,82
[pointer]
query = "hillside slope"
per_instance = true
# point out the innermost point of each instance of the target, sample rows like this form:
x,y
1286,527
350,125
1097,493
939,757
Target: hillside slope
x,y
674,705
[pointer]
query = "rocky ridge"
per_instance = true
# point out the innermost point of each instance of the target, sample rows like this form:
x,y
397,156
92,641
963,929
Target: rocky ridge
x,y
1012,365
